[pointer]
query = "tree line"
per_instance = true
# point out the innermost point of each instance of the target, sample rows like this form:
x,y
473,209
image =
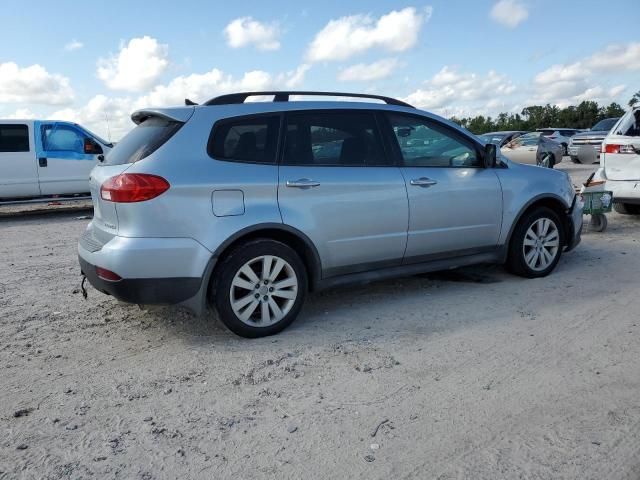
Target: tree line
x,y
584,115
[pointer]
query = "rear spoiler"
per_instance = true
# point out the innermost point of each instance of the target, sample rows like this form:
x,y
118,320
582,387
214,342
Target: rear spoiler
x,y
176,114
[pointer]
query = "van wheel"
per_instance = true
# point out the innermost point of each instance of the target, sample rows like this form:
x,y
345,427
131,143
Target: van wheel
x,y
259,288
536,244
626,208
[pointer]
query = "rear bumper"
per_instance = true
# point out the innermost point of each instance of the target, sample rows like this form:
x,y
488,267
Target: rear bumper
x,y
624,191
144,291
154,271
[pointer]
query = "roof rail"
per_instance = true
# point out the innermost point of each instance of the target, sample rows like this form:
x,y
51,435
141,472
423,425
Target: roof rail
x,y
283,96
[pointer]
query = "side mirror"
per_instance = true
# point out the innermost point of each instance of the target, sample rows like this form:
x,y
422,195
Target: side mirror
x,y
489,155
92,147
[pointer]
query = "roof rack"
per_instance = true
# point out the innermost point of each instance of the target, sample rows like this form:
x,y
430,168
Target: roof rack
x,y
283,96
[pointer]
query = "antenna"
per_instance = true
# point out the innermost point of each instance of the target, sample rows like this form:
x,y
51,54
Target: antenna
x,y
106,118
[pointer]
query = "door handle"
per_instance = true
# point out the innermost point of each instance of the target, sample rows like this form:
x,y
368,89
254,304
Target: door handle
x,y
42,161
423,182
302,183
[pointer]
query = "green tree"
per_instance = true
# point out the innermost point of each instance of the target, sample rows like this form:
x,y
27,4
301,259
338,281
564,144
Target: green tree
x,y
634,99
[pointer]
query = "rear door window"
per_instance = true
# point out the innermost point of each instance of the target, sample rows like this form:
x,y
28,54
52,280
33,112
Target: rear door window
x,y
14,138
142,141
344,138
251,139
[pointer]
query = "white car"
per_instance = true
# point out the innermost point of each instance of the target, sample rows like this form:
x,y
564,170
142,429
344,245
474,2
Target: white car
x,y
46,158
620,163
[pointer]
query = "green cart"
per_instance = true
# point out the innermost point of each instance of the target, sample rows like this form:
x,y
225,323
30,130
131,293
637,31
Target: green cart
x,y
596,204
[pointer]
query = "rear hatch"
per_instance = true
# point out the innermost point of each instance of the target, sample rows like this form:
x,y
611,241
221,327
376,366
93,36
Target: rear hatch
x,y
154,128
621,148
622,157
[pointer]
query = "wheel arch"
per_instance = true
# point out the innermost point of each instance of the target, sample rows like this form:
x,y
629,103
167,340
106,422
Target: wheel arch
x,y
290,236
552,202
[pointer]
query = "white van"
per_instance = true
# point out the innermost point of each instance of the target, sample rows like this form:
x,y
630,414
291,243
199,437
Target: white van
x,y
45,158
620,163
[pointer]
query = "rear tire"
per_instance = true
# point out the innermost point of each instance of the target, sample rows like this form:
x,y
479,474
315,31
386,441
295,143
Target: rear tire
x,y
536,244
565,150
575,160
259,288
626,208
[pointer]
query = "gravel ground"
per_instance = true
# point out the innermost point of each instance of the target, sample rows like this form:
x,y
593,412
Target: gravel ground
x,y
470,374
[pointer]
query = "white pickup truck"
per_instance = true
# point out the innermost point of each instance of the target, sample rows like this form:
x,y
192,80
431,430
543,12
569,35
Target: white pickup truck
x,y
46,158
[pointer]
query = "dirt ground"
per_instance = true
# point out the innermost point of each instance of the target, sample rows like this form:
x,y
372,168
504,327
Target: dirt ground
x,y
472,374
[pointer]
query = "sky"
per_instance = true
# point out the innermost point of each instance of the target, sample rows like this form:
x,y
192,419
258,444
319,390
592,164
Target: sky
x,y
96,62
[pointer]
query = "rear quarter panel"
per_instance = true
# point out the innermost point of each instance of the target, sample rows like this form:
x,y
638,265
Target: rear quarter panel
x,y
186,209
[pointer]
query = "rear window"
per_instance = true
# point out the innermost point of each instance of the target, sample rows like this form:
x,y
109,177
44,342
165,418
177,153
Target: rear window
x,y
251,139
14,138
142,141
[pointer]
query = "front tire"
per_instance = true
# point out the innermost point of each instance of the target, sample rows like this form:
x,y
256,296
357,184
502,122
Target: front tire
x,y
536,244
259,288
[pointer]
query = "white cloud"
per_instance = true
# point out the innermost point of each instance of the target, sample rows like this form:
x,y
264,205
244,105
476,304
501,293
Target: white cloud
x,y
246,31
22,114
108,117
111,116
616,57
615,92
345,37
200,87
73,45
295,78
566,84
509,13
363,72
449,87
33,84
137,66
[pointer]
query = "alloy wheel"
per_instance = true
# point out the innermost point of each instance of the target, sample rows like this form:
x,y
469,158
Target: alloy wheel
x,y
541,244
263,291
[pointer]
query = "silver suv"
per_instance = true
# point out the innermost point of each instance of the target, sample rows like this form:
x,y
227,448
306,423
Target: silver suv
x,y
248,206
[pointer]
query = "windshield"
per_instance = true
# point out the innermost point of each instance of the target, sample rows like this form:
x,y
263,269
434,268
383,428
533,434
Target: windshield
x,y
142,141
605,125
98,137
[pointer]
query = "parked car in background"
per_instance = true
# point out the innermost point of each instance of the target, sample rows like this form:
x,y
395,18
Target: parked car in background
x,y
251,204
560,135
584,147
500,139
44,158
620,163
534,149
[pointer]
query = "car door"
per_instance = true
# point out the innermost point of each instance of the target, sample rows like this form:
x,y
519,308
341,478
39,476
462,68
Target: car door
x,y
65,159
18,171
455,205
339,187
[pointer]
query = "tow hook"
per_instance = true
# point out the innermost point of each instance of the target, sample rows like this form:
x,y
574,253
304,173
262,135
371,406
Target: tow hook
x,y
82,287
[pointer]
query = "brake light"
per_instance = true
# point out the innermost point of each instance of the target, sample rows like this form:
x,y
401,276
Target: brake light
x,y
108,275
613,148
133,187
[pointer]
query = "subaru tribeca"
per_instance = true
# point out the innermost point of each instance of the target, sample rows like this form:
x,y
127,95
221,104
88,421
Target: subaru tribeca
x,y
247,206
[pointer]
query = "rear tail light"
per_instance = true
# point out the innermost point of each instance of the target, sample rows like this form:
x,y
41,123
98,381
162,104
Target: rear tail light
x,y
108,275
613,148
133,187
